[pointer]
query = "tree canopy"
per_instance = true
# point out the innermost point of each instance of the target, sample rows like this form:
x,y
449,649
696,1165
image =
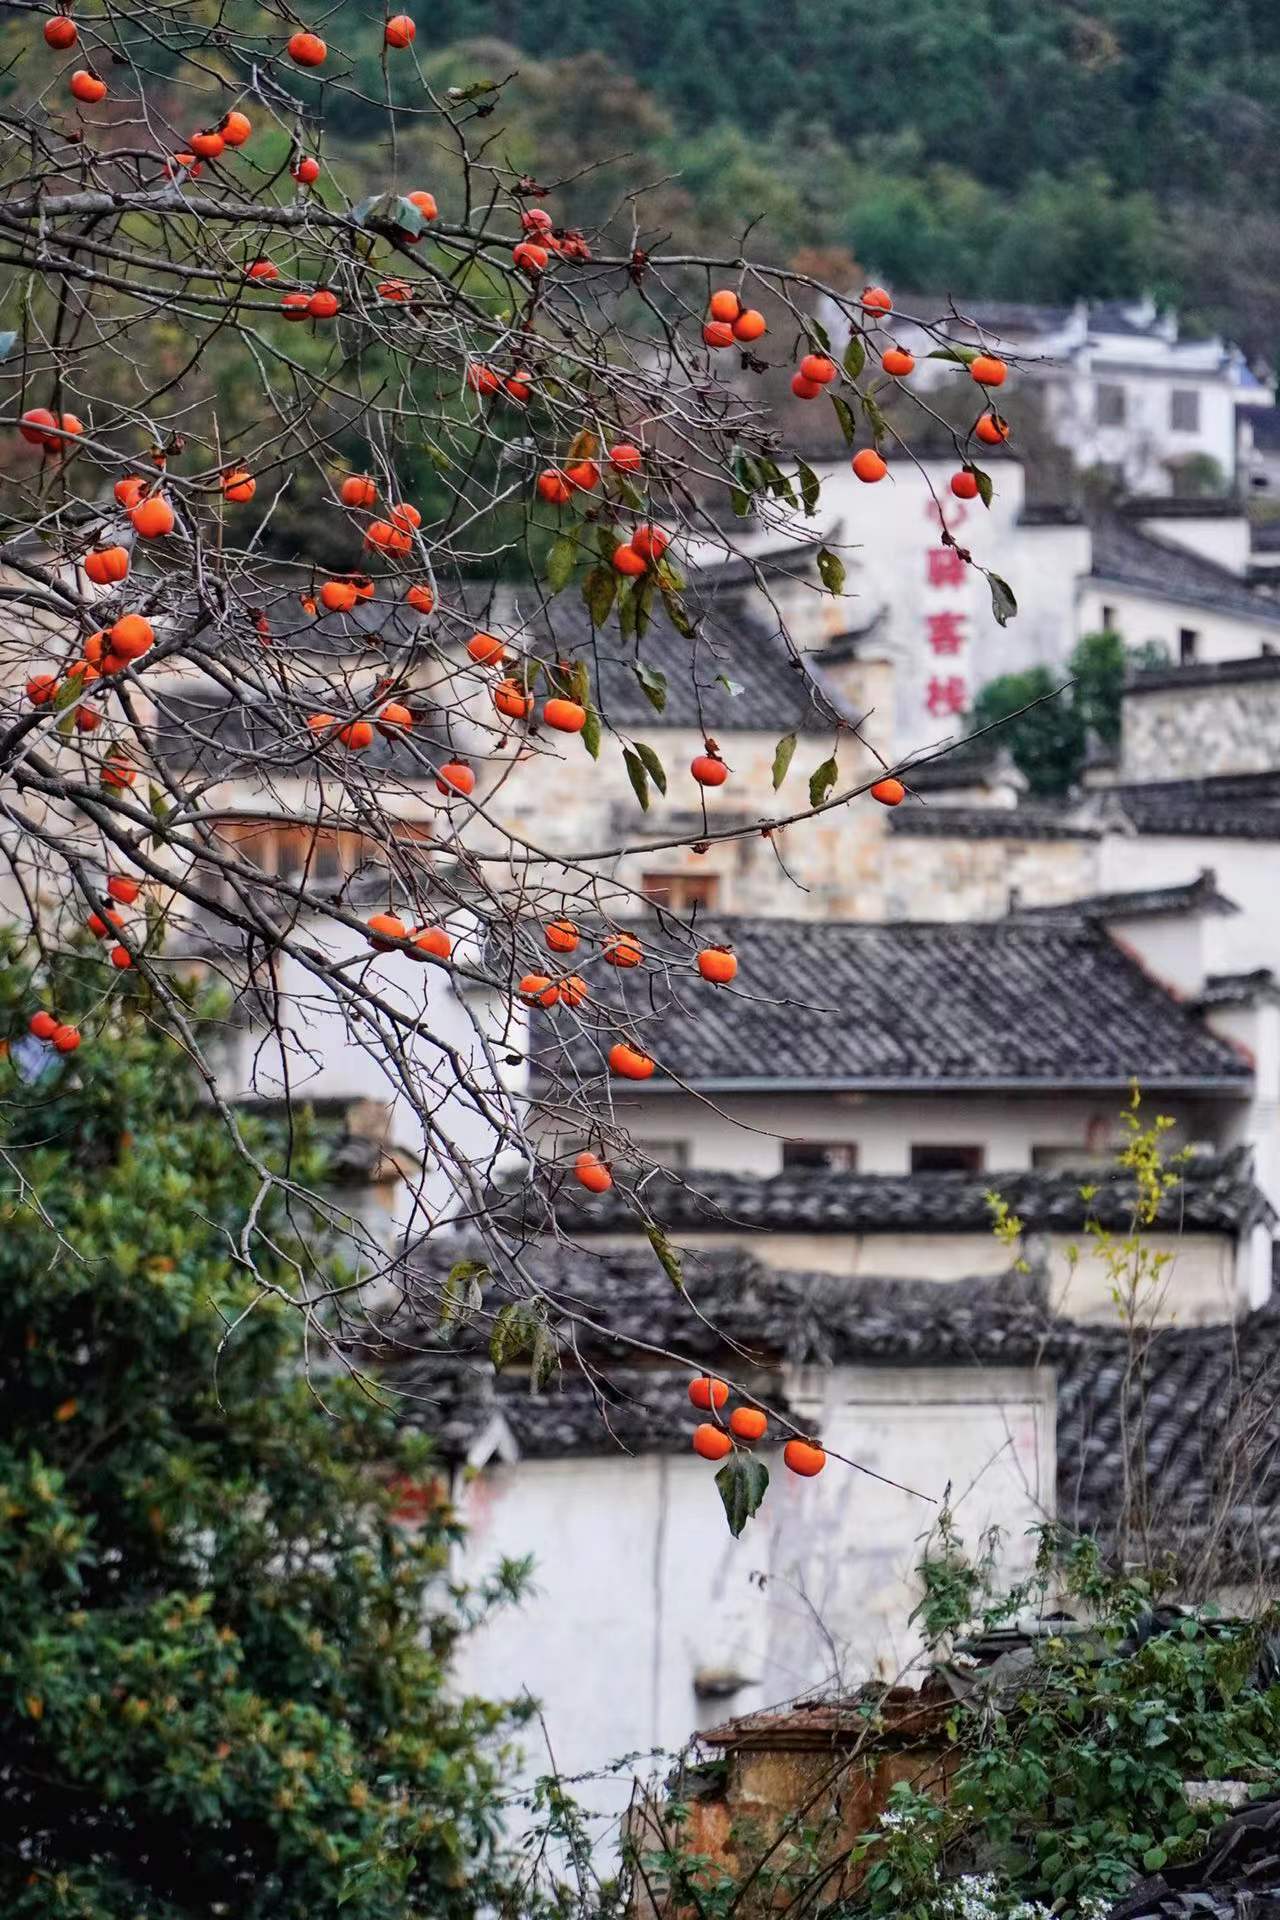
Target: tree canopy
x,y
222,1662
1049,713
1023,153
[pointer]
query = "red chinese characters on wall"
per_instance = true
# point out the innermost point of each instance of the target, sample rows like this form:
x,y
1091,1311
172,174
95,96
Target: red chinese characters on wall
x,y
945,679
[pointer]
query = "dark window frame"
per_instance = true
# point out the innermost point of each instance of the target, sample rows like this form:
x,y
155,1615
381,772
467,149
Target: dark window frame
x,y
946,1157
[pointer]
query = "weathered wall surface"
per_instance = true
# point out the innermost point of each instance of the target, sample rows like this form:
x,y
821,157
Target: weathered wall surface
x,y
960,876
640,1590
747,1132
1141,616
1206,1280
1192,731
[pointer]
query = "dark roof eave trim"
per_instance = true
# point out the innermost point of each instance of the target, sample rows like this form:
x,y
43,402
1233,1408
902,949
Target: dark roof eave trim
x,y
1215,1085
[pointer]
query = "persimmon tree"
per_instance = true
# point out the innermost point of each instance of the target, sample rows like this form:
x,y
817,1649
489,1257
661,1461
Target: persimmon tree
x,y
279,406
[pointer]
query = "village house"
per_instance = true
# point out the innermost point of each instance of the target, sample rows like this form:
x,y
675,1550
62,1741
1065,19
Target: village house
x,y
970,1390
1123,390
1190,788
934,1004
832,1130
1173,577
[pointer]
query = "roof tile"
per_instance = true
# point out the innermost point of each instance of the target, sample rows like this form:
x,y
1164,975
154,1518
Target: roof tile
x,y
997,1003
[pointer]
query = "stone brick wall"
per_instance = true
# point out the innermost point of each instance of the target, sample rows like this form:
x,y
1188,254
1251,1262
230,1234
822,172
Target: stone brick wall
x,y
1208,723
957,877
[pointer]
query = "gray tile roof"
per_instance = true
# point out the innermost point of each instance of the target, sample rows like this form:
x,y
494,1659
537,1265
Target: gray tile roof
x,y
1050,513
1208,673
1034,822
1130,558
1236,989
919,1005
1203,1400
1236,1877
1204,1403
1217,1193
1116,316
779,694
771,1317
1209,822
1200,895
1180,506
200,731
1224,806
1265,422
738,676
995,316
974,762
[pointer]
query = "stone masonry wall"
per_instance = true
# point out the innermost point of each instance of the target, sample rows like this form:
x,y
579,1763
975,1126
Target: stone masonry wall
x,y
946,877
1191,732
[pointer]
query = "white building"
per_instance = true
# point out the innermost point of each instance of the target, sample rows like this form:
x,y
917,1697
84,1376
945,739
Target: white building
x,y
1169,573
832,1131
1122,390
898,1042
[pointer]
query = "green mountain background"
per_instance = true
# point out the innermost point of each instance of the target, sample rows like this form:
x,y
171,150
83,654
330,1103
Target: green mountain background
x,y
1033,151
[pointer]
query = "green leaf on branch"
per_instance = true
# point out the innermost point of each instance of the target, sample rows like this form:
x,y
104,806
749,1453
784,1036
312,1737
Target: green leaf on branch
x,y
626,605
747,478
843,415
875,419
1003,604
590,735
810,488
776,480
677,613
561,561
743,1483
962,356
160,811
855,356
462,1293
783,754
598,589
732,687
514,1333
637,775
984,485
652,684
668,1258
579,683
831,569
653,766
644,605
544,1361
821,781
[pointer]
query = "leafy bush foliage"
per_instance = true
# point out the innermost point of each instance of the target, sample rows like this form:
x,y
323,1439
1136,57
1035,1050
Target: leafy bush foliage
x,y
1048,740
222,1665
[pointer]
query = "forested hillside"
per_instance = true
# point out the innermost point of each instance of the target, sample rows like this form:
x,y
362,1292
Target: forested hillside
x,y
1024,148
